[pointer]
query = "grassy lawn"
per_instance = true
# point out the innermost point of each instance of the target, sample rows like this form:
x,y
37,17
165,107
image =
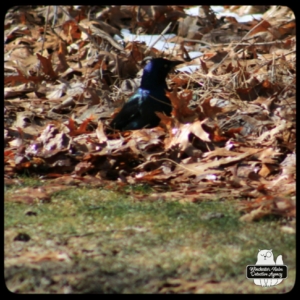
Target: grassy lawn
x,y
96,240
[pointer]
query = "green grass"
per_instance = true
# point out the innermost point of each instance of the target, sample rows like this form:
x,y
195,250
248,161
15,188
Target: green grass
x,y
131,245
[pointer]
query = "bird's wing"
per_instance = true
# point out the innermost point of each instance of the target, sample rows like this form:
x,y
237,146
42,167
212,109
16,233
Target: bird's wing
x,y
129,111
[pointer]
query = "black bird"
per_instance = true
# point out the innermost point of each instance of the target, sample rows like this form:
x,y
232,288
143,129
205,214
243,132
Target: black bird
x,y
139,111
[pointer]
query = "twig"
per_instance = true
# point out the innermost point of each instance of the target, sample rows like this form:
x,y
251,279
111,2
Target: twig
x,y
160,36
246,35
43,42
159,100
233,43
260,66
45,29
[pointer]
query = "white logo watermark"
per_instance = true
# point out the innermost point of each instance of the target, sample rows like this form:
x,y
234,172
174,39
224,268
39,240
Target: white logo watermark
x,y
266,272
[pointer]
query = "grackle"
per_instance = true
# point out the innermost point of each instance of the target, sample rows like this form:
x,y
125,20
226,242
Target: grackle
x,y
139,111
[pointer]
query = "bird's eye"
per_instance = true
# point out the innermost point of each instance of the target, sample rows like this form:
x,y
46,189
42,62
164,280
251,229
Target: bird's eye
x,y
165,65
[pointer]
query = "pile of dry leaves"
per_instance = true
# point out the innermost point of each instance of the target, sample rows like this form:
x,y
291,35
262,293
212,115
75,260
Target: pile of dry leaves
x,y
232,132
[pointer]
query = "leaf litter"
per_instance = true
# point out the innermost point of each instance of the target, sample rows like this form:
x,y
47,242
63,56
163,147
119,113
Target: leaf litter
x,y
232,132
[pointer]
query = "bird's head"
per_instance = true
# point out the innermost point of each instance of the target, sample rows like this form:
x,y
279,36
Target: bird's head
x,y
156,71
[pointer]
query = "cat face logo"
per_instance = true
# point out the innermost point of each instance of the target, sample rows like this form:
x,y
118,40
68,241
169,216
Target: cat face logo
x,y
266,272
267,254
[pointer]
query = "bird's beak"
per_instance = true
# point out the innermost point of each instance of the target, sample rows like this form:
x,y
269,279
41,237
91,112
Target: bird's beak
x,y
176,62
